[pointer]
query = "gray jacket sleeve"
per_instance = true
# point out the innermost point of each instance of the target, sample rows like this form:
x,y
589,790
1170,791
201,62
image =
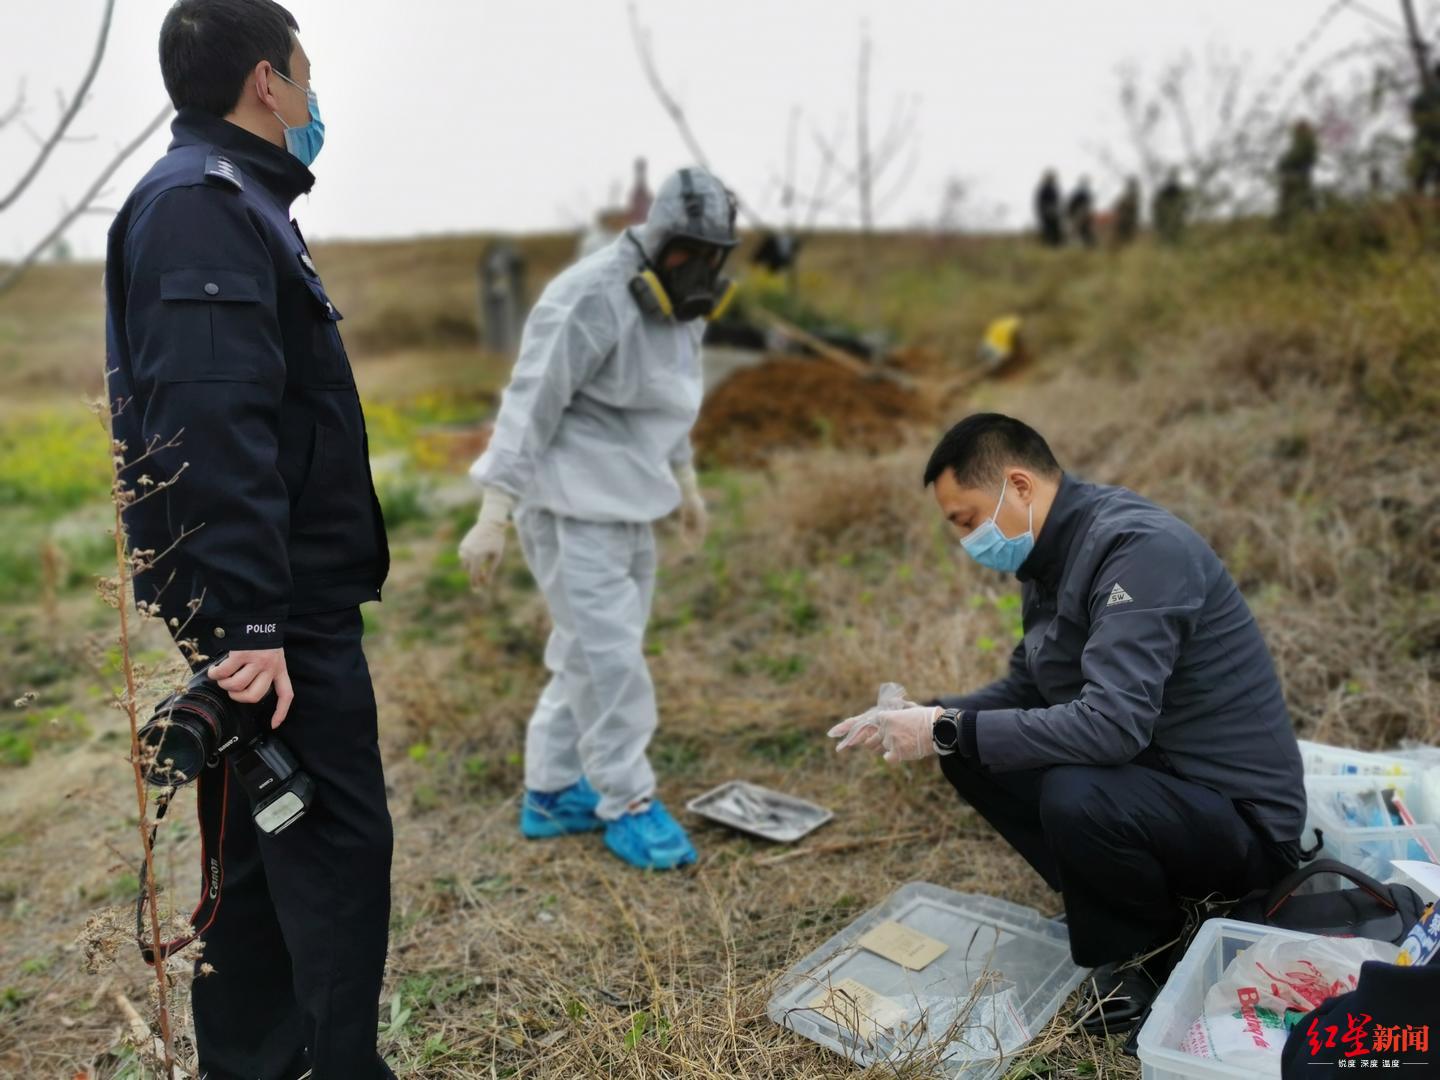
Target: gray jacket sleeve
x,y
1014,690
1136,634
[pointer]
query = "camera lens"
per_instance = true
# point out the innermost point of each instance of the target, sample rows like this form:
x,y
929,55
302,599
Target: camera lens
x,y
181,737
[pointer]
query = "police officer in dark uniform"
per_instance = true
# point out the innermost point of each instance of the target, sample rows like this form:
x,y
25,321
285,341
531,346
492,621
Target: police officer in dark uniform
x,y
224,360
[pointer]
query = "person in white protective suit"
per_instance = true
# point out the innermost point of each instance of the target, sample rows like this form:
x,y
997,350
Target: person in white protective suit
x,y
591,447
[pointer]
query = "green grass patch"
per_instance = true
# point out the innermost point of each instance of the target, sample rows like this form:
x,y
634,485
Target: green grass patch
x,y
22,734
784,747
53,461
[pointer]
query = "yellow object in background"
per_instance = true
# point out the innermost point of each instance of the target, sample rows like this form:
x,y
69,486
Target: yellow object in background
x,y
1001,341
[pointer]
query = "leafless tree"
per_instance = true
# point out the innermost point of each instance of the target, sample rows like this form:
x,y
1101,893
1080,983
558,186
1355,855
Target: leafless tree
x,y
672,106
838,188
1224,129
85,205
70,107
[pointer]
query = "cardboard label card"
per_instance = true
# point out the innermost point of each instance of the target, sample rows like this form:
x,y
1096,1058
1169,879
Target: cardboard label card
x,y
902,945
856,1008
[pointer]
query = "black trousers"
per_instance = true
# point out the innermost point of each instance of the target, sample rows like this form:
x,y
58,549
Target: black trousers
x,y
298,944
1122,844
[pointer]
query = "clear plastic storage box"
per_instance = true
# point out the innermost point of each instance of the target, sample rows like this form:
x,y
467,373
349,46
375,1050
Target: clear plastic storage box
x,y
1374,851
1322,760
1182,999
1004,972
1425,760
1356,814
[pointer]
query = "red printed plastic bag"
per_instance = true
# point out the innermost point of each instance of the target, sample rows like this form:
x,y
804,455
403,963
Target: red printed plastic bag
x,y
1270,986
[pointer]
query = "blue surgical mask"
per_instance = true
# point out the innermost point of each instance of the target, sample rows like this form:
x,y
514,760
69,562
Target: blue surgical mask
x,y
988,546
304,142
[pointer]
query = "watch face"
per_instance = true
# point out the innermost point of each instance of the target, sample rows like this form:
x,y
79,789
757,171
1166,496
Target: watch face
x,y
946,732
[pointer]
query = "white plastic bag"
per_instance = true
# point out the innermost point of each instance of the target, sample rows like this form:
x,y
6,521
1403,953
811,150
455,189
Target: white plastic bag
x,y
1268,987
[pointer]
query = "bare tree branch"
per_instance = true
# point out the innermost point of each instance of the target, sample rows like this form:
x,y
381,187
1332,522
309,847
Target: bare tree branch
x,y
896,189
864,164
9,115
67,113
834,176
792,146
672,107
13,274
904,116
830,157
819,196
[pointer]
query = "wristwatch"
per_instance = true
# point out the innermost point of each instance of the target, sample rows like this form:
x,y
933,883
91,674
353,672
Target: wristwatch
x,y
946,732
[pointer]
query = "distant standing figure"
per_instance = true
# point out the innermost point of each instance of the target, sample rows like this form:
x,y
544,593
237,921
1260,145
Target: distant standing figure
x,y
1127,213
1425,156
1080,210
640,197
502,290
1295,171
1047,210
777,251
1170,209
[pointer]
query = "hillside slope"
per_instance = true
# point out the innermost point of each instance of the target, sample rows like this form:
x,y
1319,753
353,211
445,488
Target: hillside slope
x,y
1280,393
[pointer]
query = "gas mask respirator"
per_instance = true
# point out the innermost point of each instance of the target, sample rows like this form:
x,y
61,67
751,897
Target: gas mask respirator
x,y
693,289
689,287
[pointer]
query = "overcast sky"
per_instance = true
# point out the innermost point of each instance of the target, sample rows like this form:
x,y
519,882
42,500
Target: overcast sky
x,y
519,115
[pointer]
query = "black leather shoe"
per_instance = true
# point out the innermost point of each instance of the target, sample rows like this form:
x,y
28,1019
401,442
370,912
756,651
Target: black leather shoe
x,y
1116,999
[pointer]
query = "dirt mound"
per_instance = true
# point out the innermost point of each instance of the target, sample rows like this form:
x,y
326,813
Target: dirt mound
x,y
789,403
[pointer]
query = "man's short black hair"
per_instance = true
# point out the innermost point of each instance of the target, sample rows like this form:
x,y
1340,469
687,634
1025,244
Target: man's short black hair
x,y
209,47
981,447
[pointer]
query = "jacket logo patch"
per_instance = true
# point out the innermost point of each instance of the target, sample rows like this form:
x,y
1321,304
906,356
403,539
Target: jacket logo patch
x,y
1118,595
269,627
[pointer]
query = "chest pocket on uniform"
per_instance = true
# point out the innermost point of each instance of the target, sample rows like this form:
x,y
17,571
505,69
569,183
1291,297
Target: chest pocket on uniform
x,y
330,366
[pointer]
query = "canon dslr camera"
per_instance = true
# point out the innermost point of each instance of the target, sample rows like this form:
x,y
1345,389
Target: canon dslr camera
x,y
197,726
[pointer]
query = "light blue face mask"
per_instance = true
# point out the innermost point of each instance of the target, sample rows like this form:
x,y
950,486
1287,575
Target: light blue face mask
x,y
304,142
988,546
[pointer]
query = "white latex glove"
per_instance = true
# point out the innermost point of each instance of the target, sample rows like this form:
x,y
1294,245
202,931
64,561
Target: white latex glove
x,y
864,730
484,545
906,734
694,519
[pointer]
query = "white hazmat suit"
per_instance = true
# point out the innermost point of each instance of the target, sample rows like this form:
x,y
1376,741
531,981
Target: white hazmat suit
x,y
592,445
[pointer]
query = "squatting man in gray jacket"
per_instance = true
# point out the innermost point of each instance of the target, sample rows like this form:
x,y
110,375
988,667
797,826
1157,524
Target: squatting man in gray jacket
x,y
1138,751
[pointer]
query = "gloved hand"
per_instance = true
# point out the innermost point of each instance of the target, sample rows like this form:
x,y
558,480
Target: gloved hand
x,y
694,519
905,734
484,545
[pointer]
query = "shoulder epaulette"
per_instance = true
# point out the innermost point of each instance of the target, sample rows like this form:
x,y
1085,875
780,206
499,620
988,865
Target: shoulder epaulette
x,y
220,169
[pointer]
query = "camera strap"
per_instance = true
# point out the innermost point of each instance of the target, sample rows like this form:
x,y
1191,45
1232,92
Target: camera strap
x,y
211,791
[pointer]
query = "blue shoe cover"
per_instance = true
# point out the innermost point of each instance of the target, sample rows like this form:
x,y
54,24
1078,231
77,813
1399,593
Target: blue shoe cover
x,y
650,839
544,814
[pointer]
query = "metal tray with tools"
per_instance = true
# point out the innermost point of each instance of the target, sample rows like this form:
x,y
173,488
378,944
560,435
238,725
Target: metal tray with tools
x,y
759,811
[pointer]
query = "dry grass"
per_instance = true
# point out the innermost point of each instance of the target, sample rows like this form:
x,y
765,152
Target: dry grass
x,y
1280,398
